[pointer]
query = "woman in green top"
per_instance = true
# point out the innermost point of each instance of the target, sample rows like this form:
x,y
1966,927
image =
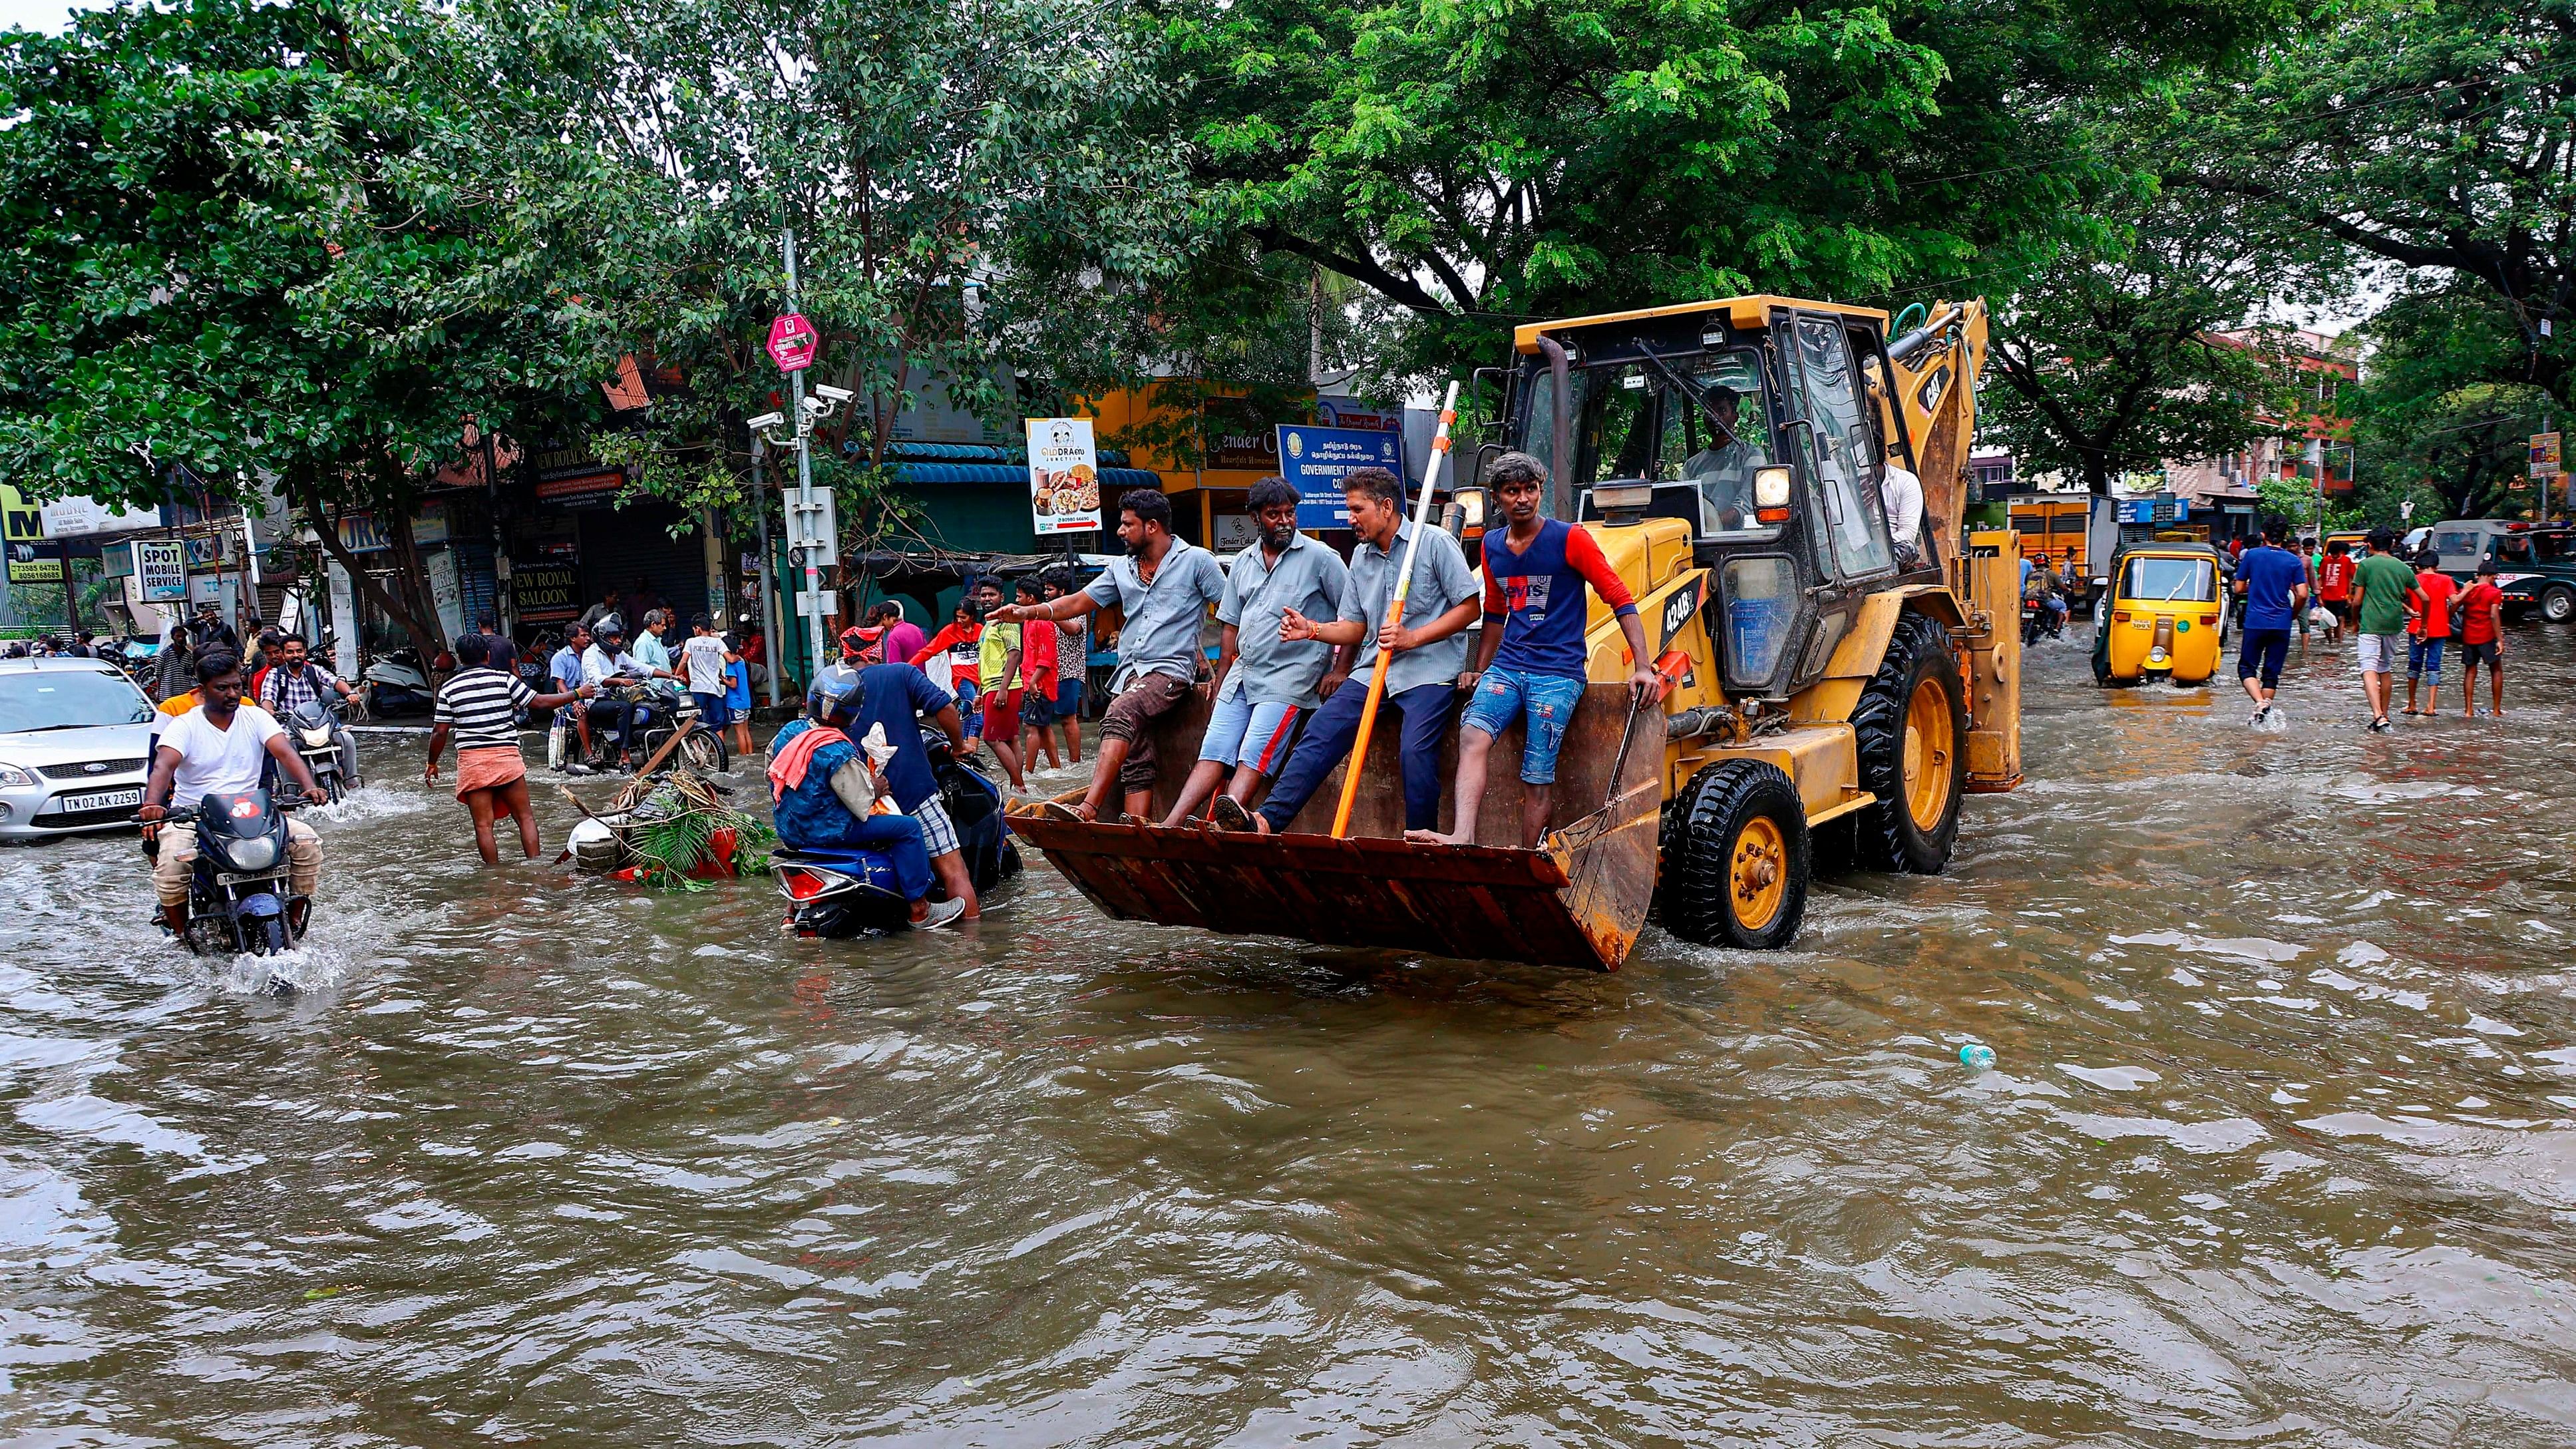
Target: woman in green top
x,y
2379,589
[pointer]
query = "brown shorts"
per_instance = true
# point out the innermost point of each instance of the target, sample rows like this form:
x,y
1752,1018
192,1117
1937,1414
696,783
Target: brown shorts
x,y
1137,706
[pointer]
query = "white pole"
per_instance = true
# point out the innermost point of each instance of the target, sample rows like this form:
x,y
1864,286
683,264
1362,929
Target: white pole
x,y
804,473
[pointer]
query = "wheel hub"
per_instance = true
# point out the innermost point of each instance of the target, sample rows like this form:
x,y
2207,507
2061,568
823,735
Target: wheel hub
x,y
1756,872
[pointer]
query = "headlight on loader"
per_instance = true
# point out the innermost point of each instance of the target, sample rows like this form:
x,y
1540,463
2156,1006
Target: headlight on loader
x,y
1770,487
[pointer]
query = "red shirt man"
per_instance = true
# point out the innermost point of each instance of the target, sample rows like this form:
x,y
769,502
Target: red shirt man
x,y
2334,576
2431,601
2478,610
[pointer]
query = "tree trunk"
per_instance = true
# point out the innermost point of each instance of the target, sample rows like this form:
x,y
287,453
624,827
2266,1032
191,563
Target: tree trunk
x,y
326,526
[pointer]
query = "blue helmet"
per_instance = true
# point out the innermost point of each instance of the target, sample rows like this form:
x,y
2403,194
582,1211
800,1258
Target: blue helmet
x,y
834,699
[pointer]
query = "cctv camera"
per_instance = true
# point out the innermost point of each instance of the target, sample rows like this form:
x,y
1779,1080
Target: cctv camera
x,y
831,393
768,420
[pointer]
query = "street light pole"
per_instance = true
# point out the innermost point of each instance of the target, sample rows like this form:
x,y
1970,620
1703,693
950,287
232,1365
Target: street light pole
x,y
804,459
768,570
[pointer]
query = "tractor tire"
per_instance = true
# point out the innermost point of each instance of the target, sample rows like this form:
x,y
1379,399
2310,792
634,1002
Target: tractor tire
x,y
1737,864
2558,604
1912,732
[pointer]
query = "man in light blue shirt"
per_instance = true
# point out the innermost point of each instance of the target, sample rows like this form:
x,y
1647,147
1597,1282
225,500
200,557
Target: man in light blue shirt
x,y
1164,588
568,676
1430,656
650,651
1265,683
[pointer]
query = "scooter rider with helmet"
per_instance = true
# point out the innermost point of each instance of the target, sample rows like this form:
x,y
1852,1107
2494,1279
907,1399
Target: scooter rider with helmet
x,y
603,664
221,747
824,791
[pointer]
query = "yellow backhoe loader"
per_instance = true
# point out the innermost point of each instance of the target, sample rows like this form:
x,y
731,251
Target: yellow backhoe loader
x,y
1834,693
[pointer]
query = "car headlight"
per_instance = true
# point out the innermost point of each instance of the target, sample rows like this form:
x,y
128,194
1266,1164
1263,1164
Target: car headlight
x,y
1770,487
13,776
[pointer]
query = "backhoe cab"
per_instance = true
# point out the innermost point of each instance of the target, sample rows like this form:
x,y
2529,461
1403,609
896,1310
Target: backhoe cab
x,y
1836,690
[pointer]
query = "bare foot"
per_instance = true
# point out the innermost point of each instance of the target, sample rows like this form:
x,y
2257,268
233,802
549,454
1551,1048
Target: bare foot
x,y
1431,837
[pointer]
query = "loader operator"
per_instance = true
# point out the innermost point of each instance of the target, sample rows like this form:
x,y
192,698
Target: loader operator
x,y
1530,662
1428,660
1724,469
1164,587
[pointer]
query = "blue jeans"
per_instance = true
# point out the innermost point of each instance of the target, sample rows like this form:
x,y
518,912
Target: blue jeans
x,y
2423,656
966,691
1336,726
1543,702
899,836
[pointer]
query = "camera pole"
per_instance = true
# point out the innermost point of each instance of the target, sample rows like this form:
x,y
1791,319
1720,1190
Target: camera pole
x,y
804,467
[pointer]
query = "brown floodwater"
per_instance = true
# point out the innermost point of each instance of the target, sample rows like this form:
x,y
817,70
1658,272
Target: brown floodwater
x,y
2280,1147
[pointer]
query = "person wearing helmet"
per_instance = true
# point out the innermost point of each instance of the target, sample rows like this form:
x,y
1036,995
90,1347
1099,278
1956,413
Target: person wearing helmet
x,y
826,793
603,663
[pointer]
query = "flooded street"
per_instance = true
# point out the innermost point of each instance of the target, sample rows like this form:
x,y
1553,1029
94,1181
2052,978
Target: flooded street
x,y
2280,1147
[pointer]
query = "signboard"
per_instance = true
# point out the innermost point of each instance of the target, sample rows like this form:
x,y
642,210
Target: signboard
x,y
546,592
1064,476
81,517
429,526
792,341
21,521
581,489
1235,532
1313,461
359,533
205,552
1237,436
26,568
1344,412
2544,456
813,602
161,568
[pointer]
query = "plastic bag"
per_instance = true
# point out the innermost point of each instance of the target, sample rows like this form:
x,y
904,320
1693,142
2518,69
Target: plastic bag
x,y
2320,617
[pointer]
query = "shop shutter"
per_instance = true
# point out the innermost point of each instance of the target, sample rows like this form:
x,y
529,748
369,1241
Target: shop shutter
x,y
620,545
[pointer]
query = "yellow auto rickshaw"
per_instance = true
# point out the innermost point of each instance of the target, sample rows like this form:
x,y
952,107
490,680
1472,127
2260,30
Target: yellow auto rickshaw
x,y
2165,617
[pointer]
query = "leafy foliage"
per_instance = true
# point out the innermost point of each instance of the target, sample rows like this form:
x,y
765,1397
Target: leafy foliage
x,y
2135,349
2432,422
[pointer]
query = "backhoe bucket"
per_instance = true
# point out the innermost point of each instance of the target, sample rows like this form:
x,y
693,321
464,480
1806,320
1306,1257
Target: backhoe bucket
x,y
1579,901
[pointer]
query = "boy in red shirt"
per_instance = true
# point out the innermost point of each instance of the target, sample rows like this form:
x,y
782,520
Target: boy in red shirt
x,y
2428,623
2334,587
2482,638
1038,671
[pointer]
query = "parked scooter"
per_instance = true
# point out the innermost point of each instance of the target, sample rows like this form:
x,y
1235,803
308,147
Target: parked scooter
x,y
324,743
397,684
239,900
662,709
837,894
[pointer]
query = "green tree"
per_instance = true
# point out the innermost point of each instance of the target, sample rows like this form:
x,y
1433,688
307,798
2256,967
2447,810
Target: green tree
x,y
2430,422
2139,347
2435,137
1480,164
974,202
235,244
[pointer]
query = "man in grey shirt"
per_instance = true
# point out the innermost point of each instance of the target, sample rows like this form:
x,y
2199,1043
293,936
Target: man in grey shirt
x,y
1265,683
1163,587
1422,678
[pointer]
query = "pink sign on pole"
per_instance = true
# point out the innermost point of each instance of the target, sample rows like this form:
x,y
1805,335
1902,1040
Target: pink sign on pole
x,y
792,341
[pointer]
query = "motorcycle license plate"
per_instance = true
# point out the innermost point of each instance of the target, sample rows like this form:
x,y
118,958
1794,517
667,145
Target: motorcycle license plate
x,y
98,800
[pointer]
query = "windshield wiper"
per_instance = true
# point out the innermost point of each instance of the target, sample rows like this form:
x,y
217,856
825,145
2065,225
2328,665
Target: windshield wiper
x,y
1677,380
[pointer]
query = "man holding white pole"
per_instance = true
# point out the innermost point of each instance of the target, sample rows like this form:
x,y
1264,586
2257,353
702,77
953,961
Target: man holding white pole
x,y
1423,672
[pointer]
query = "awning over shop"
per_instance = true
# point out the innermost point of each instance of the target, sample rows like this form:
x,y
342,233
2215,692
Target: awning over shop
x,y
1007,475
930,573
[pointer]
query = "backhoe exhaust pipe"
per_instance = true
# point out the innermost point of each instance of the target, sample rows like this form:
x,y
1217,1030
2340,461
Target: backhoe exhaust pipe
x,y
1560,431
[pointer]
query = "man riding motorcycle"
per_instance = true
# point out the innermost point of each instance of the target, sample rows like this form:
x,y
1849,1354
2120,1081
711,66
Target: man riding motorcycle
x,y
293,681
221,747
825,790
2043,586
606,663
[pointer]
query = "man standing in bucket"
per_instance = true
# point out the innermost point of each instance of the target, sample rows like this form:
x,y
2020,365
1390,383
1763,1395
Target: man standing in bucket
x,y
1530,663
1164,587
1430,658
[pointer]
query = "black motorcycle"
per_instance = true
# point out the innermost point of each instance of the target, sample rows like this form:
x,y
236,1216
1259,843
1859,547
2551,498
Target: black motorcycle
x,y
322,739
662,709
239,899
2039,621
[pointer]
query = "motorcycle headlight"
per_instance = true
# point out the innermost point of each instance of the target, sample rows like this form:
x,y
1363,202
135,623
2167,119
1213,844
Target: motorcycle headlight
x,y
257,854
12,775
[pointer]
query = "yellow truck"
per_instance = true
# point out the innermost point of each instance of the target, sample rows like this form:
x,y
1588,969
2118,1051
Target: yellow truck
x,y
1835,697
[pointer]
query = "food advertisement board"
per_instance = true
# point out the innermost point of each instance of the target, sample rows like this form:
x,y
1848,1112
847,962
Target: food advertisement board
x,y
1064,476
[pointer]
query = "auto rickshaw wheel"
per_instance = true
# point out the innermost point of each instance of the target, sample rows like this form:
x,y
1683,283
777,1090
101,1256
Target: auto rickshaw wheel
x,y
1911,728
1737,858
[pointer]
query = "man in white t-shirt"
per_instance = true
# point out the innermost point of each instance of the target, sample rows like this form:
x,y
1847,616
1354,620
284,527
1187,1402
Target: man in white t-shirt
x,y
220,748
1901,492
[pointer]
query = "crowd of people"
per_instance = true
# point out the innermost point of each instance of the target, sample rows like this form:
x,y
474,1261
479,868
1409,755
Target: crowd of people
x,y
2397,611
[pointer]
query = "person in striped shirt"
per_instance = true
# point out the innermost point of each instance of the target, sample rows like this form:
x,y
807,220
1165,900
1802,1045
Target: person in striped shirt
x,y
475,706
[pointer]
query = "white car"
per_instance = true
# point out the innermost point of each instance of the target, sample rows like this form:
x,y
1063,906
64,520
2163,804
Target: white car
x,y
75,741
